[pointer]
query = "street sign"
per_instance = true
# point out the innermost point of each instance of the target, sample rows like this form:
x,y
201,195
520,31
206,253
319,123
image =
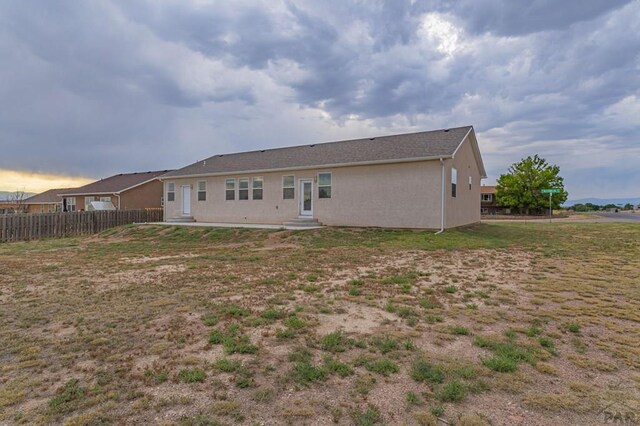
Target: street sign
x,y
550,191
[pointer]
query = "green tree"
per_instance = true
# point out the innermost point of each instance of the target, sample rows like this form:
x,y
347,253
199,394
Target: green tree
x,y
520,187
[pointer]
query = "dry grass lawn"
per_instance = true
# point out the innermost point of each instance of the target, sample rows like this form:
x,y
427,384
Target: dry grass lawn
x,y
502,324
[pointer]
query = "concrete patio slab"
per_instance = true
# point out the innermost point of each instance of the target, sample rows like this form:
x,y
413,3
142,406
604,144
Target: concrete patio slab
x,y
235,225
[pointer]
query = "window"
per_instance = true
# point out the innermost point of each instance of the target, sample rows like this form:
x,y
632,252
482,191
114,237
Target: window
x,y
454,181
87,202
256,187
487,197
243,189
470,182
105,199
202,191
171,191
288,187
324,185
230,189
484,210
71,204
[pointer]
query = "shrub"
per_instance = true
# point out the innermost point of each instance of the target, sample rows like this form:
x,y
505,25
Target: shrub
x,y
192,375
305,372
452,392
334,342
459,330
500,364
67,395
383,366
338,367
227,365
423,371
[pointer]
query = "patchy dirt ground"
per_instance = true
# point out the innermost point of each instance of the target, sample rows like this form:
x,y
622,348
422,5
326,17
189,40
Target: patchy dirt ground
x,y
495,324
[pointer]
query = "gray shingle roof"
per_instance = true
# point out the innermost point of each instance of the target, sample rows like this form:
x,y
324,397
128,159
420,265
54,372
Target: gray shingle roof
x,y
50,196
436,143
117,183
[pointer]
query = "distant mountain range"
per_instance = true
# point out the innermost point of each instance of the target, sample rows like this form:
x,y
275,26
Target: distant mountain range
x,y
603,201
7,195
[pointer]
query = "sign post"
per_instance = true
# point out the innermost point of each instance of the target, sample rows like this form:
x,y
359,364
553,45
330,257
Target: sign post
x,y
550,191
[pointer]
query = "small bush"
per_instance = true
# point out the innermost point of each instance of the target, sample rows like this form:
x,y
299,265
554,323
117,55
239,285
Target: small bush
x,y
355,291
423,371
294,323
210,320
227,365
273,314
371,416
573,327
305,372
67,395
451,289
335,342
385,344
356,282
383,366
500,364
459,330
192,375
430,303
452,392
338,367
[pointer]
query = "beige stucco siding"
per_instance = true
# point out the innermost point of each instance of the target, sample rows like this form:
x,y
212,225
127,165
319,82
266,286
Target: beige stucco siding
x,y
403,195
465,207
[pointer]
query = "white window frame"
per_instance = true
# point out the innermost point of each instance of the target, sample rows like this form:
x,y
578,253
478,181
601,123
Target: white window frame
x,y
254,189
86,204
227,181
325,186
454,182
105,199
202,191
71,201
293,186
487,198
171,192
240,189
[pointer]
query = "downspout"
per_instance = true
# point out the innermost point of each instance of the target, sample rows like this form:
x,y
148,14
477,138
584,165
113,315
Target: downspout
x,y
442,200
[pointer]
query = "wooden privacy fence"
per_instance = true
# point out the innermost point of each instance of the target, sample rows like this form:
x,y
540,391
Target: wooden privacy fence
x,y
21,227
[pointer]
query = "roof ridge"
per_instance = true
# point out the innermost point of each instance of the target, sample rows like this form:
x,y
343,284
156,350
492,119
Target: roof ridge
x,y
446,129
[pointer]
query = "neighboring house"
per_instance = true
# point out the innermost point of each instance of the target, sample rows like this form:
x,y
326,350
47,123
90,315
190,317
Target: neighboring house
x,y
418,180
125,191
46,202
489,202
8,206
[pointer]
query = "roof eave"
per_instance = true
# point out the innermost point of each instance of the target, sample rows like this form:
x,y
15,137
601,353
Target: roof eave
x,y
319,166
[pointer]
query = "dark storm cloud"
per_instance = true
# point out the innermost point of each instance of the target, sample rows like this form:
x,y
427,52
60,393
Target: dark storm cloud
x,y
517,18
102,87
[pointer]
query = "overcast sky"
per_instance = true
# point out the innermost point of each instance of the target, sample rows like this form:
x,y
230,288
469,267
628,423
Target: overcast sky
x,y
94,88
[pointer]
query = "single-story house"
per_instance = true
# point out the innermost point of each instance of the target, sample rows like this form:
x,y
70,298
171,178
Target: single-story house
x,y
8,207
46,202
125,191
417,180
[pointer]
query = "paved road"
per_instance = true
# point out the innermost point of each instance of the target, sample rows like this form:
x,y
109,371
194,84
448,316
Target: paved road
x,y
621,216
589,218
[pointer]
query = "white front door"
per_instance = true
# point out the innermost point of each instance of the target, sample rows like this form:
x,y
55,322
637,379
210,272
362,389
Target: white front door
x,y
306,197
186,200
